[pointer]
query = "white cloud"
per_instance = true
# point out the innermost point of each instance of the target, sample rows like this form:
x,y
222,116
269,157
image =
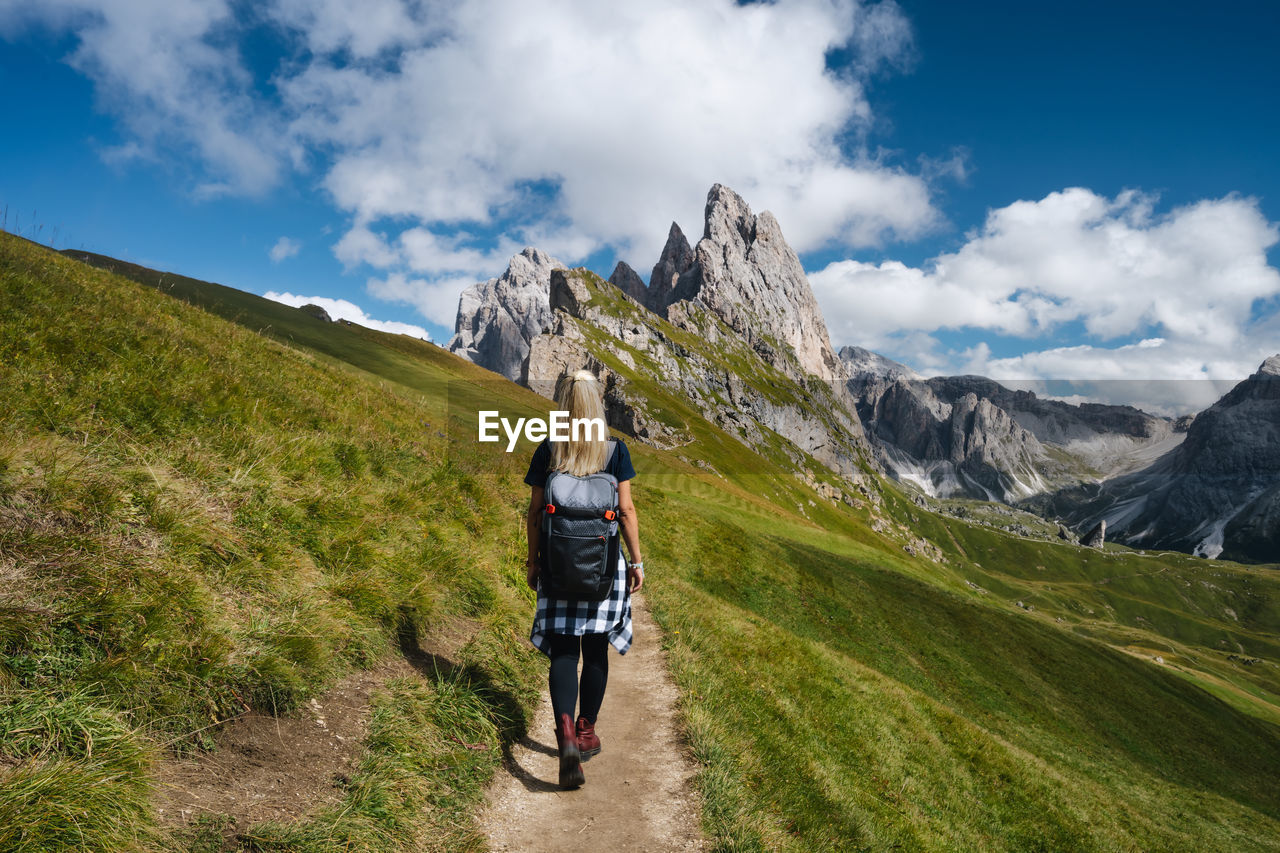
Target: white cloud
x,y
341,309
170,71
435,299
284,248
362,246
1187,281
428,117
333,26
632,111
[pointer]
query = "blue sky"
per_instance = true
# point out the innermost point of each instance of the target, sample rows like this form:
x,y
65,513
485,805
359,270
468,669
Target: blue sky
x,y
1032,191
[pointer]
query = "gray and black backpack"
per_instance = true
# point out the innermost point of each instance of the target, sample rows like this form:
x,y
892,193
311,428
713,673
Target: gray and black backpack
x,y
580,534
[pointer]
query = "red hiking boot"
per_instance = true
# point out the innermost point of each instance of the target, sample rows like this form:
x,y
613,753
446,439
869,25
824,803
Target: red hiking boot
x,y
588,742
570,757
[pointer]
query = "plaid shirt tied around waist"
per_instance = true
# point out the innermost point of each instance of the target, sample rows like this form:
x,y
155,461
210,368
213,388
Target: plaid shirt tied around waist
x,y
561,616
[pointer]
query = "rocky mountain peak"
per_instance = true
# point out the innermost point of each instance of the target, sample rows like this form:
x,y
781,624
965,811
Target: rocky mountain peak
x,y
629,282
727,219
675,261
497,318
865,364
530,266
1264,385
744,272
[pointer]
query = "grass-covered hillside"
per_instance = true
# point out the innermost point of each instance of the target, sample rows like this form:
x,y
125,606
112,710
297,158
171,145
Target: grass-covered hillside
x,y
199,516
196,520
877,675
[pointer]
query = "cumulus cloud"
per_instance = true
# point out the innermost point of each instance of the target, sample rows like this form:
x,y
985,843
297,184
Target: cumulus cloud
x,y
1188,282
629,111
284,248
170,71
588,125
341,309
436,299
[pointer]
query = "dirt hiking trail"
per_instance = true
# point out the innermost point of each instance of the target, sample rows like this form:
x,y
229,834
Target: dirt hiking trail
x,y
639,794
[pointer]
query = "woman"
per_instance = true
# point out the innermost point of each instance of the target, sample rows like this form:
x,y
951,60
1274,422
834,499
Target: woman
x,y
563,629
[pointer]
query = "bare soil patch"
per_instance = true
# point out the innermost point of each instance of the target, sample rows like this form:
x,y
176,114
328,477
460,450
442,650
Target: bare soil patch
x,y
281,768
276,768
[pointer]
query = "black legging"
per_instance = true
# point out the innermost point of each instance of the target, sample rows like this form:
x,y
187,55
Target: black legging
x,y
564,674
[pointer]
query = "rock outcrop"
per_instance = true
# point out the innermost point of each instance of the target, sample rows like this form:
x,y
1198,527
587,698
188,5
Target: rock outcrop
x,y
313,310
497,318
1216,494
1097,535
744,272
676,260
629,282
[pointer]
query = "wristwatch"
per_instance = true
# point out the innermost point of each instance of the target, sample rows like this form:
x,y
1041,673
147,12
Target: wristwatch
x,y
639,565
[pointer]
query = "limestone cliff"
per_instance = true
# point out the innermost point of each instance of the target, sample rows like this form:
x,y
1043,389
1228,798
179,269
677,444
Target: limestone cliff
x,y
497,318
1216,494
743,271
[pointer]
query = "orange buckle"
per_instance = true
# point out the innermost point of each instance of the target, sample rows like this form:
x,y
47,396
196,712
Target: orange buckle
x,y
551,509
610,515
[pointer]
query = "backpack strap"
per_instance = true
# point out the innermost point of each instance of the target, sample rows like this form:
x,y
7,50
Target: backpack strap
x,y
608,457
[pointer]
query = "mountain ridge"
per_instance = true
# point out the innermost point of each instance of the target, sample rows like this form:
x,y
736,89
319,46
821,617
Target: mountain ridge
x,y
1217,493
950,436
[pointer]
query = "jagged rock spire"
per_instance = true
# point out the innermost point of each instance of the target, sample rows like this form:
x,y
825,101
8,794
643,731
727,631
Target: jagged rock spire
x,y
675,261
744,271
629,282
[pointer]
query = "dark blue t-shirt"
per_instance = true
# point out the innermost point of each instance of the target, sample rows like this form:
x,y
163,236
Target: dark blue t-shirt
x,y
540,467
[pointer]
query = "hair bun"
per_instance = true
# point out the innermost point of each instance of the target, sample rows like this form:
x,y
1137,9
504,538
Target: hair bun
x,y
584,376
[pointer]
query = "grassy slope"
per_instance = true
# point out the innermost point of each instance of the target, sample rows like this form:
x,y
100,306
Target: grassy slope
x,y
196,519
844,694
841,692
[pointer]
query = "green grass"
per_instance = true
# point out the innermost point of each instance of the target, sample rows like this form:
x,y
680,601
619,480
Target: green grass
x,y
842,706
196,514
845,695
199,519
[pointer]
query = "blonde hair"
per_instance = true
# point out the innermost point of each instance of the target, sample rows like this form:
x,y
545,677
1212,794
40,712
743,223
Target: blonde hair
x,y
582,396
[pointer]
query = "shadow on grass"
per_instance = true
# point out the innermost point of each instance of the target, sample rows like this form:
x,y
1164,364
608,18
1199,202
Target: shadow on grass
x,y
508,714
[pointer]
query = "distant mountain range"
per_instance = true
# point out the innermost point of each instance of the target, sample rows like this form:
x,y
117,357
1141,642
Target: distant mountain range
x,y
1209,484
1216,494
